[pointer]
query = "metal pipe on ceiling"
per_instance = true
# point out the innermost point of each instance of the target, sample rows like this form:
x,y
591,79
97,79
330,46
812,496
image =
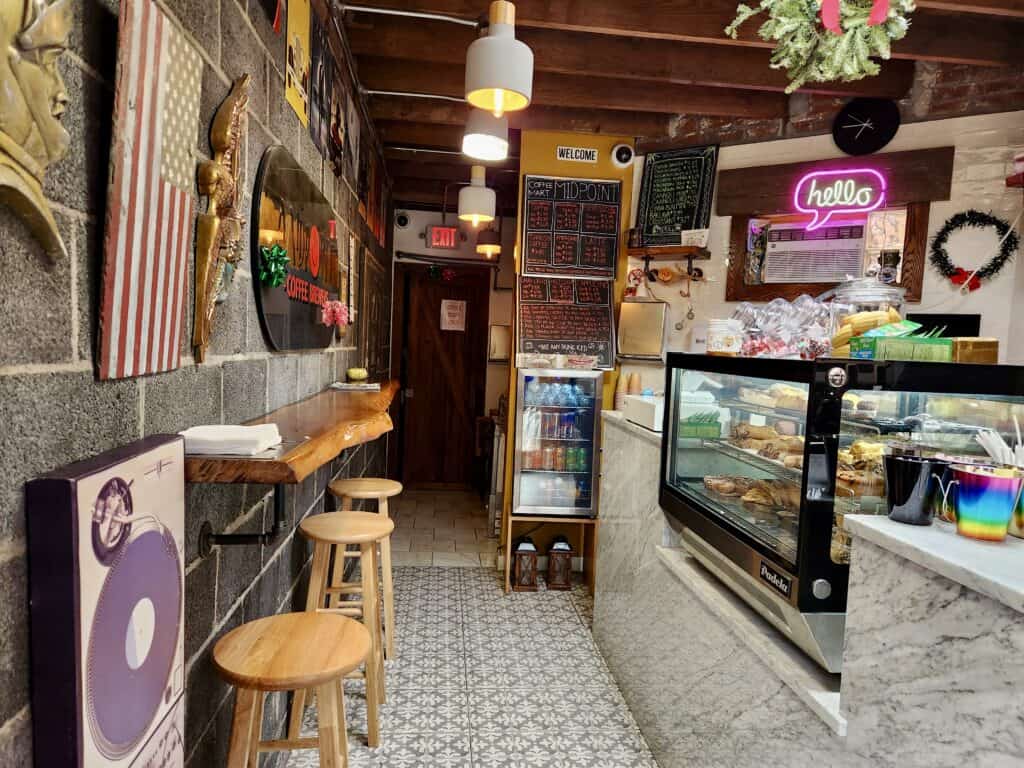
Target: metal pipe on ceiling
x,y
342,7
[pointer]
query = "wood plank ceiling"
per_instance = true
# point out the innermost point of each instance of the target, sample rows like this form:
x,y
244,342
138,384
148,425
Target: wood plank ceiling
x,y
631,67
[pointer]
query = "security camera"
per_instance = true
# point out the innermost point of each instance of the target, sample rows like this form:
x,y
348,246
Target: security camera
x,y
622,155
401,219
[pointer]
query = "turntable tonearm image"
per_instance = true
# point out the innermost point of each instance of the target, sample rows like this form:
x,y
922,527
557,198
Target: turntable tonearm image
x,y
106,569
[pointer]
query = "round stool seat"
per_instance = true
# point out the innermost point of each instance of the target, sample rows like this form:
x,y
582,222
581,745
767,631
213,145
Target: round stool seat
x,y
291,651
366,488
347,527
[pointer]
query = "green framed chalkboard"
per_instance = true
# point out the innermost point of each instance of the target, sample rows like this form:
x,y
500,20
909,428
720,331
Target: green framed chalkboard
x,y
675,193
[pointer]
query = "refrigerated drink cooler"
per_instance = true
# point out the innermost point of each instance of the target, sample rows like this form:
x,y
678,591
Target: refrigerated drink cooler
x,y
556,460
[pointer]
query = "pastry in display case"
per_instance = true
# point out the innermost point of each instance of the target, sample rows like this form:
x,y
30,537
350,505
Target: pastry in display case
x,y
796,445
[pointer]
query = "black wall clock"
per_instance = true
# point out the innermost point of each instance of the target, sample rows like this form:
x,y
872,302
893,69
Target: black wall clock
x,y
865,125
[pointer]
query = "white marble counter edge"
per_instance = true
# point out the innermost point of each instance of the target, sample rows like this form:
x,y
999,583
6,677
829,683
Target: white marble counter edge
x,y
784,659
619,419
995,569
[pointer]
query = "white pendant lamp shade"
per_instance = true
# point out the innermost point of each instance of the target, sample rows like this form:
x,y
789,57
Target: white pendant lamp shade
x,y
488,243
499,68
477,202
486,136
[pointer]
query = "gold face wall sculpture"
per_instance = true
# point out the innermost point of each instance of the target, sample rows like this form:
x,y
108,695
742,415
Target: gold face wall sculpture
x,y
34,34
219,230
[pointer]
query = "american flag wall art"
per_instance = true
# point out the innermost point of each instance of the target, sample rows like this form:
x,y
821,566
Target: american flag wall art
x,y
151,204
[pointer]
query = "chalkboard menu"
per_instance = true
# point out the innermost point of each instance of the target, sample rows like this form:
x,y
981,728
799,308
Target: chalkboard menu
x,y
571,227
675,194
567,317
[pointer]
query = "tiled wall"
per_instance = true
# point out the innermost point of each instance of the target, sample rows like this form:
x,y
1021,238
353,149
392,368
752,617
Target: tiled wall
x,y
54,411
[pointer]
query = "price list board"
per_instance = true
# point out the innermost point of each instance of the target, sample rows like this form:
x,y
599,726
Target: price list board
x,y
675,194
571,227
567,317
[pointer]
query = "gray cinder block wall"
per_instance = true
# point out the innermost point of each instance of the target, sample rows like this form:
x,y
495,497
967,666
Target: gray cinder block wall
x,y
53,411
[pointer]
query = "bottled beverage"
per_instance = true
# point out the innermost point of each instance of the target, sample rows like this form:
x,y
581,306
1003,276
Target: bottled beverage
x,y
583,460
560,459
568,426
550,425
547,394
571,454
533,392
549,457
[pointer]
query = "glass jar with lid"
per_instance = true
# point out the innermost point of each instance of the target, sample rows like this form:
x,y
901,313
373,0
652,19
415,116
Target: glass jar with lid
x,y
866,294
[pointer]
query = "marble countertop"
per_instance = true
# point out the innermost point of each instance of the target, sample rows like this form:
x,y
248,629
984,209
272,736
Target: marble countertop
x,y
619,419
815,687
995,569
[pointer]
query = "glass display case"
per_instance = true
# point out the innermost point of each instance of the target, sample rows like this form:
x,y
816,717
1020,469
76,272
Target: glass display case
x,y
556,459
762,459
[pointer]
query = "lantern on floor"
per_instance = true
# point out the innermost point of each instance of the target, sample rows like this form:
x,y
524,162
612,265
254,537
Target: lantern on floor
x,y
560,564
524,566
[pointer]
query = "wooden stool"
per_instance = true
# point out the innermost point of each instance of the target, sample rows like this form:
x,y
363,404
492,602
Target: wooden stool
x,y
290,652
381,489
340,529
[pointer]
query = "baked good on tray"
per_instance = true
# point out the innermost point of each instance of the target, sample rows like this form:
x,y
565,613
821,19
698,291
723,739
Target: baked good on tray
x,y
788,397
757,397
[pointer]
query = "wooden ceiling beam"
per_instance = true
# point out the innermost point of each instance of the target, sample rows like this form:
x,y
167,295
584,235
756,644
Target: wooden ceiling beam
x,y
607,121
407,169
556,90
573,53
935,35
412,154
431,136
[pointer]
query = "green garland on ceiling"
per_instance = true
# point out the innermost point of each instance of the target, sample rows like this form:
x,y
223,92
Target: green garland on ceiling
x,y
810,53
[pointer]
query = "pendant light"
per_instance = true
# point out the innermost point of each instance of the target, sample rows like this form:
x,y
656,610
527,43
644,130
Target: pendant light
x,y
477,202
488,243
499,68
486,136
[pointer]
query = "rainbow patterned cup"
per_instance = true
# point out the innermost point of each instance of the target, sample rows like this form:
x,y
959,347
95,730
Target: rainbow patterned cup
x,y
985,501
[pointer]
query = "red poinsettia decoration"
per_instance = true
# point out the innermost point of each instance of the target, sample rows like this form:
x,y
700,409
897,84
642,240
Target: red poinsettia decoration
x,y
961,275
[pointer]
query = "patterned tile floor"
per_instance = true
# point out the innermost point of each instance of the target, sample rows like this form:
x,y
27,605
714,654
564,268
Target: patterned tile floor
x,y
488,680
447,528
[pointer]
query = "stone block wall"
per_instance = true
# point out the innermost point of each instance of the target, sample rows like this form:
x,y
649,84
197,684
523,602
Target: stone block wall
x,y
54,411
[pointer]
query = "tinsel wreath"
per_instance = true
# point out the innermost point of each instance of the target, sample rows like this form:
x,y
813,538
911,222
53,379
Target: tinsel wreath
x,y
811,53
1009,242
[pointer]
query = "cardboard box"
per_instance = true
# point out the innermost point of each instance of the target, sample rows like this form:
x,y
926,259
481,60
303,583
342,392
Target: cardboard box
x,y
975,349
890,348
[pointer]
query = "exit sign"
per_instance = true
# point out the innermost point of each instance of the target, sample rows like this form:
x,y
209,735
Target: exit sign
x,y
445,238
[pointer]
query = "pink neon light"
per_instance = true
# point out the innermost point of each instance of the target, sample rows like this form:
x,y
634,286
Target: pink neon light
x,y
822,214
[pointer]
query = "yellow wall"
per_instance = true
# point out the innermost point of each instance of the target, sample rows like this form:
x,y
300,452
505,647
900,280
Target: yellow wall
x,y
537,155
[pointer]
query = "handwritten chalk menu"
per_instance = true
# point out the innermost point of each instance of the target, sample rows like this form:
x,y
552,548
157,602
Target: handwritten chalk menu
x,y
675,194
571,227
567,317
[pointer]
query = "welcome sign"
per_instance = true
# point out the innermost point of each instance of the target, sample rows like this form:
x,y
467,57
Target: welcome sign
x,y
823,194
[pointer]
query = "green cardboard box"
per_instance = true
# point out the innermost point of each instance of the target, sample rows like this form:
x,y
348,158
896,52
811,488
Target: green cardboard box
x,y
890,348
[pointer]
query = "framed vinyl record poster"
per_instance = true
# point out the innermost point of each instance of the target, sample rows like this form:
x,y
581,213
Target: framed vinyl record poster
x,y
106,570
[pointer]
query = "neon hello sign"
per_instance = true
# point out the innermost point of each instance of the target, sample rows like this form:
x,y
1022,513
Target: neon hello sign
x,y
826,193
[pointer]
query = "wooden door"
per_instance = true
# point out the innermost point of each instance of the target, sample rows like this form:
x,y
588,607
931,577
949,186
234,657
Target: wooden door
x,y
443,374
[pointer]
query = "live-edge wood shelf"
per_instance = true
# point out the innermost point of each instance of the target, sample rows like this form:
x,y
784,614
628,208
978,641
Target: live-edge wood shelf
x,y
314,431
669,253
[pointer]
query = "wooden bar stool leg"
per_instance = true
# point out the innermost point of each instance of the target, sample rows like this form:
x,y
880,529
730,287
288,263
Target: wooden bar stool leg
x,y
373,684
342,723
256,732
241,728
346,503
327,725
314,601
389,589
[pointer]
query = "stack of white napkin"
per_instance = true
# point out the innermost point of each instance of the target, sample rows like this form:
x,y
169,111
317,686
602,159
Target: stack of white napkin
x,y
221,439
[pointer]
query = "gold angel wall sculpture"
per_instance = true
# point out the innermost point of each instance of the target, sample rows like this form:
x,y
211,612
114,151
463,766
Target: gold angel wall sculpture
x,y
219,230
32,100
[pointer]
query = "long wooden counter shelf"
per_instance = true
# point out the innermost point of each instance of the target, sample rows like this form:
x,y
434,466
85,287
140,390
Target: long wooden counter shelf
x,y
314,431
